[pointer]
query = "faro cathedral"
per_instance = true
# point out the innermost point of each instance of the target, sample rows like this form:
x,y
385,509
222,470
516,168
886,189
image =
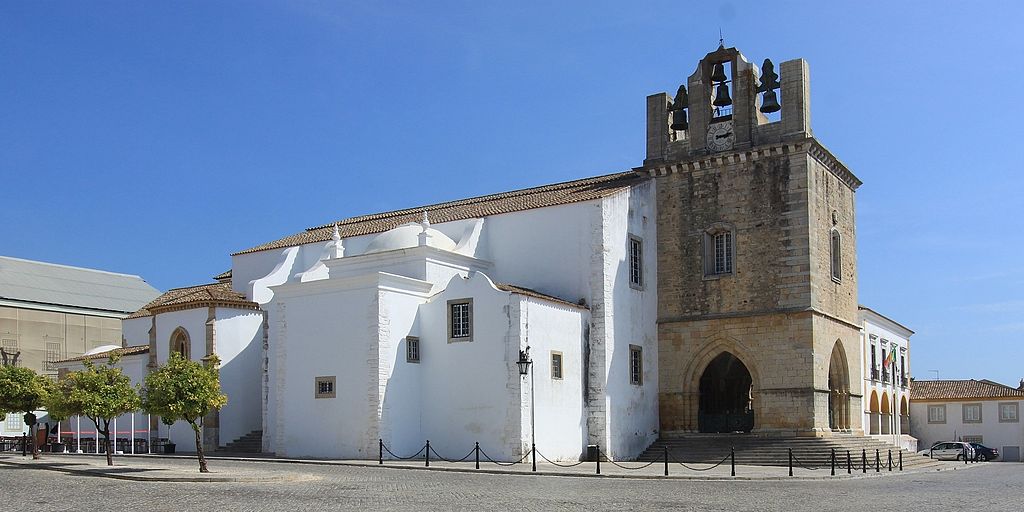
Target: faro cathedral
x,y
711,289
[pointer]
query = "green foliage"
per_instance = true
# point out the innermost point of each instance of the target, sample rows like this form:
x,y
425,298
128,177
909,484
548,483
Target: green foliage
x,y
21,390
99,392
183,390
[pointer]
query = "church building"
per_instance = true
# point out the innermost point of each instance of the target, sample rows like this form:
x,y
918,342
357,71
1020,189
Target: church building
x,y
711,289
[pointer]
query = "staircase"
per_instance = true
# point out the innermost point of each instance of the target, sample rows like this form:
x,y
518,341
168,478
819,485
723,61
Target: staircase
x,y
249,443
774,451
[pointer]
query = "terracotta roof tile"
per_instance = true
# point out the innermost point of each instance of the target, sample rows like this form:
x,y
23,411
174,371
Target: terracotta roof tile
x,y
213,292
120,352
533,293
494,204
961,390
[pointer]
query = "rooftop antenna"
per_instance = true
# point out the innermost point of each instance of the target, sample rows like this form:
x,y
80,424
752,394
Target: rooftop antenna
x,y
936,372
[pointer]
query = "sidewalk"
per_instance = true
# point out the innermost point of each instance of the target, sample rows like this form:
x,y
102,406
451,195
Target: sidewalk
x,y
184,468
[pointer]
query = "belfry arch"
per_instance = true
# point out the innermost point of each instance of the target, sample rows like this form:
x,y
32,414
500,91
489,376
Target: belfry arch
x,y
726,399
838,390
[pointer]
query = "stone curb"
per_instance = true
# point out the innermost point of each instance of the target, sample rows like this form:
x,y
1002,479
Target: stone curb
x,y
486,471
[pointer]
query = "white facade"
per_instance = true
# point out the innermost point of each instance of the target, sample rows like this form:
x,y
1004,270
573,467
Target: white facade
x,y
978,411
886,384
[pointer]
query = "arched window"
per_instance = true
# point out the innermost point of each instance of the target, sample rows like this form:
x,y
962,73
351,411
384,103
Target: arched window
x,y
180,343
719,250
837,256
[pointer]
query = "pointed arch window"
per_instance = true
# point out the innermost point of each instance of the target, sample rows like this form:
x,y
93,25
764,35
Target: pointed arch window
x,y
180,343
837,256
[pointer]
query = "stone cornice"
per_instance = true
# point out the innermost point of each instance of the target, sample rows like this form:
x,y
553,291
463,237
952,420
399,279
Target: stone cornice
x,y
834,165
205,304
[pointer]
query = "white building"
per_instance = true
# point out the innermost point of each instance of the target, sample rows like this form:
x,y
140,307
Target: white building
x,y
886,355
974,411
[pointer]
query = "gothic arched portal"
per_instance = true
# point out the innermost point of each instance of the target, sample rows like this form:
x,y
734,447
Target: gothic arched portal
x,y
725,396
839,390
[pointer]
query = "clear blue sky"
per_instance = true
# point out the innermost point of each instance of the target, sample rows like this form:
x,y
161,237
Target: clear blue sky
x,y
156,138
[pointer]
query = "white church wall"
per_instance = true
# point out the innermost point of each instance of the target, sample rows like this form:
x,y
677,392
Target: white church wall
x,y
135,331
469,389
400,407
239,340
560,415
194,322
631,320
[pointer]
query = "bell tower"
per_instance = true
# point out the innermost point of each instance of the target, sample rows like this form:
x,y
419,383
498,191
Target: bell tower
x,y
757,276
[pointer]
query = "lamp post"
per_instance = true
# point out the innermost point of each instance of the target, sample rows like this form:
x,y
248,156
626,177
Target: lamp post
x,y
526,365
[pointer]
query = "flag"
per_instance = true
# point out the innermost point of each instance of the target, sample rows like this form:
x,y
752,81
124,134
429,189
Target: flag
x,y
891,358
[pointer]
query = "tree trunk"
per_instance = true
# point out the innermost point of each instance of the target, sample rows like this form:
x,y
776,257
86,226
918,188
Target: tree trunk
x,y
106,441
32,441
199,448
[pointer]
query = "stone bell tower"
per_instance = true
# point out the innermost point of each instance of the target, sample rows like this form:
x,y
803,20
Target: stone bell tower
x,y
757,275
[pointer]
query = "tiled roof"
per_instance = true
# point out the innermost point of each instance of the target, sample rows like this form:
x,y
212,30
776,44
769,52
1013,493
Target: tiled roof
x,y
961,390
120,352
213,292
223,275
533,293
494,204
49,283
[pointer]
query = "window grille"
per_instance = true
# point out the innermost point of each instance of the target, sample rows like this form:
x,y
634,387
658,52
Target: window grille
x,y
636,365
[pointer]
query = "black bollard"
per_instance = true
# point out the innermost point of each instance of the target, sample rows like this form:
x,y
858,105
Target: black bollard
x,y
849,463
426,453
833,462
732,460
380,451
24,445
863,461
790,462
477,450
666,460
533,452
599,459
878,462
890,460
901,460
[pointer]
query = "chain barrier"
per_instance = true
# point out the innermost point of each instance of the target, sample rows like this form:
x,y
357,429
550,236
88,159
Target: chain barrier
x,y
549,461
616,464
719,463
438,455
417,454
488,457
801,464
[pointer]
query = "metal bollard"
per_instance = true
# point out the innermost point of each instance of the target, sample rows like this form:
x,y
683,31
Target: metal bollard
x,y
849,463
477,450
833,462
426,454
732,460
863,461
598,459
901,460
666,460
380,451
878,462
533,452
890,460
790,462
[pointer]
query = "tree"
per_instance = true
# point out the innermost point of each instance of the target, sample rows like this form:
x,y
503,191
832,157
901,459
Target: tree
x,y
185,390
22,391
99,392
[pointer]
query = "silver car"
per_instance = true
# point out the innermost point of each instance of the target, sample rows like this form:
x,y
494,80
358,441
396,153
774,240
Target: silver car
x,y
949,450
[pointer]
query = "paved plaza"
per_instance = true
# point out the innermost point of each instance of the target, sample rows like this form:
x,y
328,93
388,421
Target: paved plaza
x,y
291,486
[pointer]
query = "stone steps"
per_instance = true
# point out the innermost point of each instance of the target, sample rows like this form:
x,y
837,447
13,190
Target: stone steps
x,y
249,443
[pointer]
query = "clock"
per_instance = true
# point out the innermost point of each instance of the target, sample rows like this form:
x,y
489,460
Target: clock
x,y
721,136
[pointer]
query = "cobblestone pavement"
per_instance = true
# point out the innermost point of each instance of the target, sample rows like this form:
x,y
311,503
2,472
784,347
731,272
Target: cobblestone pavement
x,y
992,486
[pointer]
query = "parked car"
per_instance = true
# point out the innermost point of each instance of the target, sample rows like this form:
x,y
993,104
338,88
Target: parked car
x,y
949,450
984,453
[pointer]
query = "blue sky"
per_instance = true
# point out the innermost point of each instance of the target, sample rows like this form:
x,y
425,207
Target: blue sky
x,y
156,138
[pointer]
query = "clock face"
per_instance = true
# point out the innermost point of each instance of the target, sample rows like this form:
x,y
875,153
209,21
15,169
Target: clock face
x,y
721,136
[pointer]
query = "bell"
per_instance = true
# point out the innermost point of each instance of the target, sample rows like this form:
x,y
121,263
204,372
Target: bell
x,y
718,73
682,100
722,98
679,120
769,102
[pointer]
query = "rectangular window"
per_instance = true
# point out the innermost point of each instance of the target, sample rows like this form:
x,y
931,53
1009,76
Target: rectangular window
x,y
460,320
53,353
14,422
636,365
636,264
324,387
412,349
11,347
723,253
936,414
556,365
972,413
837,259
973,439
1009,412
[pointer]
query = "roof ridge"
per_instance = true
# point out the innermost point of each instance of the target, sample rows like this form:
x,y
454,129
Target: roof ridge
x,y
96,270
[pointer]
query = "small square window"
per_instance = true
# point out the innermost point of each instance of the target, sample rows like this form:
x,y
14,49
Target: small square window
x,y
412,349
1009,412
636,263
14,422
556,365
972,413
460,320
325,387
636,365
936,414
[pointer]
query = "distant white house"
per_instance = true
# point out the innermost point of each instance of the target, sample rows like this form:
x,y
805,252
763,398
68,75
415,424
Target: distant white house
x,y
976,411
886,354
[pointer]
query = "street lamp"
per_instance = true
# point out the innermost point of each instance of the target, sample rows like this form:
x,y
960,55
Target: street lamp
x,y
525,365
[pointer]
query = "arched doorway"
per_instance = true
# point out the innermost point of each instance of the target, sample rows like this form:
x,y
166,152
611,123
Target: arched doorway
x,y
886,414
904,416
873,416
838,390
725,396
